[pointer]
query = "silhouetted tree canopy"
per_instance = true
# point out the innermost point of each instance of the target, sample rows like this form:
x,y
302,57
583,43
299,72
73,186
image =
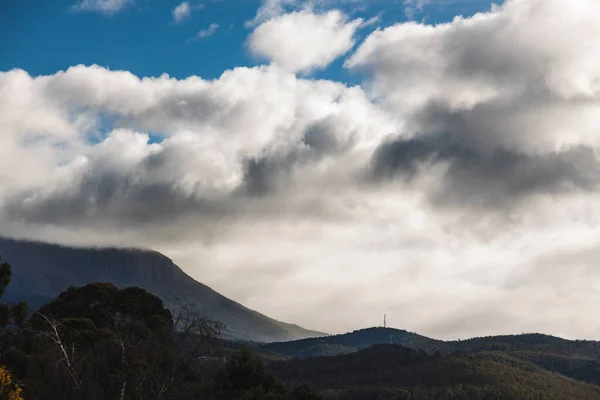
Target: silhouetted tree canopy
x,y
5,276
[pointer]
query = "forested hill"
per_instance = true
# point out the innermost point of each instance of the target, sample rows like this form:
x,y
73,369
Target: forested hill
x,y
395,372
42,271
578,359
352,342
361,339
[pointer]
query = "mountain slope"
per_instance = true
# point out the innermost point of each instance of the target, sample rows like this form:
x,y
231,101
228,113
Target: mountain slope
x,y
352,342
396,372
579,359
41,271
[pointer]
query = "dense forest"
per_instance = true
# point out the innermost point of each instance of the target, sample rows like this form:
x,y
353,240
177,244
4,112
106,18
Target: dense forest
x,y
396,372
103,342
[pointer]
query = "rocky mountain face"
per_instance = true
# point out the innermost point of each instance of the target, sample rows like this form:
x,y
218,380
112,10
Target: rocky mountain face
x,y
41,271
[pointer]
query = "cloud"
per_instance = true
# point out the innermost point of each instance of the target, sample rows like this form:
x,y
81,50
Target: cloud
x,y
182,12
207,32
512,111
270,9
275,8
497,179
303,41
411,7
217,136
461,176
107,7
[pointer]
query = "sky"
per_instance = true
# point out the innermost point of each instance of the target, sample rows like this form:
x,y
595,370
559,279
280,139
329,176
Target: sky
x,y
323,162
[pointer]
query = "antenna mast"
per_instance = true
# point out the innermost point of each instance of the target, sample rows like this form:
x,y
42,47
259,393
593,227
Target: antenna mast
x,y
384,320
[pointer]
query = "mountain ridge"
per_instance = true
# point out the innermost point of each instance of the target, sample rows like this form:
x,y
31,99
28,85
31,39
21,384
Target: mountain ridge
x,y
396,372
42,270
361,339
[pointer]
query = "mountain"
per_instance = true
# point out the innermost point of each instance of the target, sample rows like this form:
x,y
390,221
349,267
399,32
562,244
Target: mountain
x,y
575,359
351,342
396,372
41,271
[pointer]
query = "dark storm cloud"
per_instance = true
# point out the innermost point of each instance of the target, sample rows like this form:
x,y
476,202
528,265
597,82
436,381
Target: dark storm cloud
x,y
486,178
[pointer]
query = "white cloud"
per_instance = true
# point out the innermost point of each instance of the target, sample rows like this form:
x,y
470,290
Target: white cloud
x,y
274,8
207,32
222,118
182,12
461,180
102,6
303,41
490,79
270,9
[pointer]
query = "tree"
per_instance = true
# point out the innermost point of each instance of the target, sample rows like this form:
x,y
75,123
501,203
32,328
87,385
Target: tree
x,y
244,376
5,276
9,390
306,392
99,341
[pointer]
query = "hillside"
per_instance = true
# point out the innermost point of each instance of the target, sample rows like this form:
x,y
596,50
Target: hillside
x,y
396,372
351,342
42,271
578,360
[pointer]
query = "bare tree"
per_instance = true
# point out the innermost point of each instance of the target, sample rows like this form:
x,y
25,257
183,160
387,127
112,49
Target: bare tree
x,y
66,349
192,329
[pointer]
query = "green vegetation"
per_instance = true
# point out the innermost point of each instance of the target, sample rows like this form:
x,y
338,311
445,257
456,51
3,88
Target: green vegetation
x,y
352,342
396,372
578,360
102,342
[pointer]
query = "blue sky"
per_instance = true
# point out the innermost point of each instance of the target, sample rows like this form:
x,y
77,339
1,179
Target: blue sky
x,y
43,37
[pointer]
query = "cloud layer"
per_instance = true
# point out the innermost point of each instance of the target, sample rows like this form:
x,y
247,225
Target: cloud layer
x,y
490,102
455,189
